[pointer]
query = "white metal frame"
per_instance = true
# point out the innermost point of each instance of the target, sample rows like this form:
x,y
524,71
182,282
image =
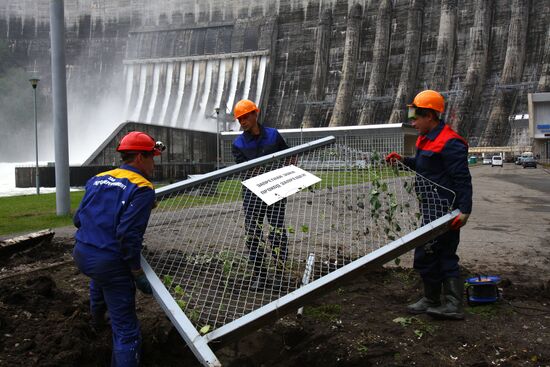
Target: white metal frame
x,y
293,300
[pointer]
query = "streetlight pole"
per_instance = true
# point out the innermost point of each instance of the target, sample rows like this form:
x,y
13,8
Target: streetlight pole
x,y
34,82
217,109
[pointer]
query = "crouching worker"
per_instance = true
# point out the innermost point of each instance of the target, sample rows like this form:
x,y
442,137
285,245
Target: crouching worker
x,y
111,221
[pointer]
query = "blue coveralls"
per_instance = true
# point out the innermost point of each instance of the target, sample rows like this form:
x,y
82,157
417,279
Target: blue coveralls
x,y
111,221
442,157
246,147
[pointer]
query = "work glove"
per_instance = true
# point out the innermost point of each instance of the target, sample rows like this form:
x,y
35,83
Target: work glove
x,y
459,221
141,282
393,156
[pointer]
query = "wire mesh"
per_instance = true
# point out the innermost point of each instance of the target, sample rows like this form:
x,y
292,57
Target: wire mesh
x,y
367,138
223,253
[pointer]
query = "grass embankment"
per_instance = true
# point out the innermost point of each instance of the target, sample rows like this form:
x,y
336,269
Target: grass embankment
x,y
33,212
227,191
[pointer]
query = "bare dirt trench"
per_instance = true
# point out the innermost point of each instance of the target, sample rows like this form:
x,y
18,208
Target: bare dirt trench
x,y
44,313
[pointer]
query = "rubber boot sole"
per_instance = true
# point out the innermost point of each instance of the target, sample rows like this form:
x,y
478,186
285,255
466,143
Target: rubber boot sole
x,y
446,316
413,311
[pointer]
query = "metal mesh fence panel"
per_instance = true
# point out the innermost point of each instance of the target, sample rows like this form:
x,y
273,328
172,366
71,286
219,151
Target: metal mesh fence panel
x,y
369,138
222,253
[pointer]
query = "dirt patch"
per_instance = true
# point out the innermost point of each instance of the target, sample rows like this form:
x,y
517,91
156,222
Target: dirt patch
x,y
44,322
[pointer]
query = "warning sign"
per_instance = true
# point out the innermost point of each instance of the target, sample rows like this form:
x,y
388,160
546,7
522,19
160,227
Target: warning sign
x,y
278,184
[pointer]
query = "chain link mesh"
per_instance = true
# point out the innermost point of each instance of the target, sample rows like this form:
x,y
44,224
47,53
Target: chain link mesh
x,y
222,253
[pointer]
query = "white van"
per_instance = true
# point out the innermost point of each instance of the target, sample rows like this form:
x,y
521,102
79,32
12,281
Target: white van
x,y
496,161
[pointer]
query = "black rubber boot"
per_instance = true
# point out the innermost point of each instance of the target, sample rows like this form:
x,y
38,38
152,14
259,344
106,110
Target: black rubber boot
x,y
453,294
432,294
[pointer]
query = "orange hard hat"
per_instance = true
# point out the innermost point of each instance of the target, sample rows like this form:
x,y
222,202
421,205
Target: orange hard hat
x,y
136,141
243,107
429,99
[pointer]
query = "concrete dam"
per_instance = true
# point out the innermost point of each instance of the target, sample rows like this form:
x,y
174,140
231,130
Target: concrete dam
x,y
307,63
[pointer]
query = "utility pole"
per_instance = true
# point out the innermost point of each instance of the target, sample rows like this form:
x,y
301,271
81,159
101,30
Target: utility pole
x,y
34,82
59,94
217,109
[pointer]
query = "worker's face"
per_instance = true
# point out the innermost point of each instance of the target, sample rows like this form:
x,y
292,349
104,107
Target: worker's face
x,y
146,164
423,124
249,121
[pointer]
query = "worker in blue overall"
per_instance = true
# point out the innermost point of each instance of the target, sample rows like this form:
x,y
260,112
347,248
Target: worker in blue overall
x,y
442,157
256,141
111,221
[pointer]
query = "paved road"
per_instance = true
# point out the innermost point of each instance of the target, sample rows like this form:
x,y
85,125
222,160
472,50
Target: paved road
x,y
509,229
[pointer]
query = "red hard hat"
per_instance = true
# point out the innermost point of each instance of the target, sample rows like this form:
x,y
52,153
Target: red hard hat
x,y
243,107
136,141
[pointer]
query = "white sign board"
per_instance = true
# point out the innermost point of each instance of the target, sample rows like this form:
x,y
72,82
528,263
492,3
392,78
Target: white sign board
x,y
278,184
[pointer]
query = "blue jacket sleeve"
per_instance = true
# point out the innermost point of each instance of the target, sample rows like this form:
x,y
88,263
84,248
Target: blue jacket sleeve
x,y
85,199
237,154
132,225
455,162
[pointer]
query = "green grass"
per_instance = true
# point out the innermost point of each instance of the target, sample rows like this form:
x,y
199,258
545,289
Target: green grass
x,y
226,191
489,310
33,212
354,176
328,312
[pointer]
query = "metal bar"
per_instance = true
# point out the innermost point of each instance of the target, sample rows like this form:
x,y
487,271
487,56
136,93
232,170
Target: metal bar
x,y
194,340
378,257
59,93
224,172
37,173
217,138
307,277
196,58
370,129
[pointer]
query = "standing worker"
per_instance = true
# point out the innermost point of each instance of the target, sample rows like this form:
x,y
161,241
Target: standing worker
x,y
111,221
256,141
442,157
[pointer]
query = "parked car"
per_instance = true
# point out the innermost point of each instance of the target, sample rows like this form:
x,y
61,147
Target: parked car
x,y
487,160
524,155
496,161
529,162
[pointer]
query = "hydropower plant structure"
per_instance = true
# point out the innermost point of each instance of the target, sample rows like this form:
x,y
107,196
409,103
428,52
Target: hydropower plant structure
x,y
307,63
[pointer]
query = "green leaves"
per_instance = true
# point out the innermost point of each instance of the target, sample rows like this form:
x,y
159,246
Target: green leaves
x,y
179,290
205,329
193,316
404,321
227,265
167,280
421,327
304,228
181,303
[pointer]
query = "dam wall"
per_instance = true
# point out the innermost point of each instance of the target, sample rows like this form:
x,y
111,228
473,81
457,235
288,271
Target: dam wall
x,y
310,63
